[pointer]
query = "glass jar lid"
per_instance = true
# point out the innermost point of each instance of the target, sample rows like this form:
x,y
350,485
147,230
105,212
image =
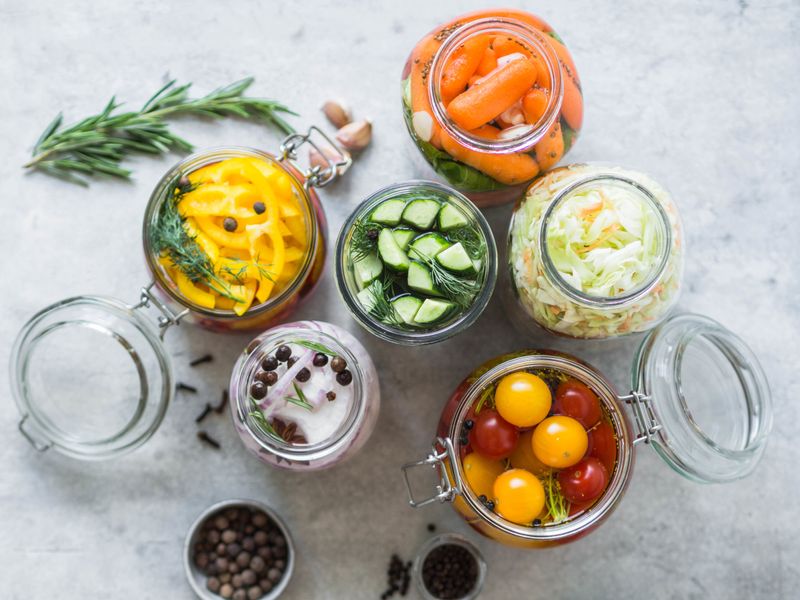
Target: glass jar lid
x,y
91,377
702,399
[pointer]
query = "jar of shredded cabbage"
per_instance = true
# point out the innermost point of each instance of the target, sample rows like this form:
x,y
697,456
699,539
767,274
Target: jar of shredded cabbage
x,y
596,252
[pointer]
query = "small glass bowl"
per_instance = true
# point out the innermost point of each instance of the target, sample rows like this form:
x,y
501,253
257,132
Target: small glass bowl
x,y
442,540
197,579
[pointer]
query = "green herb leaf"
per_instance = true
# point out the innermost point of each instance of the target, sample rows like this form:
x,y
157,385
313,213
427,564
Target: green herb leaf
x,y
363,241
557,505
301,399
98,144
315,346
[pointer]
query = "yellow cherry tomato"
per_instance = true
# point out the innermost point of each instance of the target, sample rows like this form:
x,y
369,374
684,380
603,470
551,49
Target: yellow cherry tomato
x,y
522,399
560,442
481,473
518,496
524,458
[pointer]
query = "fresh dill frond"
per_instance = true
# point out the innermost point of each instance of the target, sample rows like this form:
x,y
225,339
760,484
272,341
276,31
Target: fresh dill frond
x,y
471,239
457,289
364,239
557,505
379,306
487,395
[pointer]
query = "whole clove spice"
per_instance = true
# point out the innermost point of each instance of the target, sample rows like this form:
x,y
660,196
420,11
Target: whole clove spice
x,y
207,439
203,414
185,387
222,403
206,358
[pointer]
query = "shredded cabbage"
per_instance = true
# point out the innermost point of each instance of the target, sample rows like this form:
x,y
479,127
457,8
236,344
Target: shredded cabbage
x,y
604,242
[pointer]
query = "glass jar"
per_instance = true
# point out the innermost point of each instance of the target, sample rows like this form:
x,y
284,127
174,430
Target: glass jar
x,y
286,295
490,153
699,397
341,429
466,305
448,539
90,375
594,252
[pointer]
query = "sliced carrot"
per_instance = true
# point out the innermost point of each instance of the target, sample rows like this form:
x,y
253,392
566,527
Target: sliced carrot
x,y
461,65
488,62
550,148
572,103
534,105
509,169
483,102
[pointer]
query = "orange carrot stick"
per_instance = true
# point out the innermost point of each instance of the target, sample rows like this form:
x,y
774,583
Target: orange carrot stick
x,y
483,102
510,169
572,103
420,67
488,63
461,65
550,148
534,104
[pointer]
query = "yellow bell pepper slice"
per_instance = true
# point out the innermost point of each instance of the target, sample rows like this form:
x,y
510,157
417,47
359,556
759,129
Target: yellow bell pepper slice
x,y
220,200
289,208
228,239
248,291
298,228
258,235
206,244
293,253
193,293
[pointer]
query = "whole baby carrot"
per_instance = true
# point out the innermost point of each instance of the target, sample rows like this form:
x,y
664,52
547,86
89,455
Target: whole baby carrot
x,y
534,104
488,63
483,102
509,169
461,65
550,148
572,103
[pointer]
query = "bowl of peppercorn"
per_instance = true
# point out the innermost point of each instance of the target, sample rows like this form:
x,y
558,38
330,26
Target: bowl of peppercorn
x,y
449,567
239,550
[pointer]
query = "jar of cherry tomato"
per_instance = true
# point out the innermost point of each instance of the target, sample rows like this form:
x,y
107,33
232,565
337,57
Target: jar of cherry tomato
x,y
255,234
536,448
492,99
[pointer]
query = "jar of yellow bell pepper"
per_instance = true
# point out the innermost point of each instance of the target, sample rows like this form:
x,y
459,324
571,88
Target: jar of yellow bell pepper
x,y
236,236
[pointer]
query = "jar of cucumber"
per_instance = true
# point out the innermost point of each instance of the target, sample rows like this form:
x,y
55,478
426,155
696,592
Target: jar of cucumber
x,y
416,262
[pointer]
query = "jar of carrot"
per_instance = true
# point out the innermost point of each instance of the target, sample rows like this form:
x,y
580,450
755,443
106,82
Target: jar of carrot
x,y
492,100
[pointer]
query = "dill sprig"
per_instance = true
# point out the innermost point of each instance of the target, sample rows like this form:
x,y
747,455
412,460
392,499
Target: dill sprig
x,y
487,395
168,237
471,240
557,505
456,289
364,239
98,144
379,306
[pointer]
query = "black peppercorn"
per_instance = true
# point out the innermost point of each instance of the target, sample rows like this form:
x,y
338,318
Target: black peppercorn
x,y
303,375
482,498
263,377
291,361
344,377
270,363
258,390
338,364
230,224
469,424
271,378
331,396
320,359
259,208
283,353
464,440
537,522
372,234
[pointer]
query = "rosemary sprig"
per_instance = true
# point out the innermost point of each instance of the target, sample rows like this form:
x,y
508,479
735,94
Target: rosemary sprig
x,y
169,237
301,400
315,346
260,420
364,239
557,505
97,145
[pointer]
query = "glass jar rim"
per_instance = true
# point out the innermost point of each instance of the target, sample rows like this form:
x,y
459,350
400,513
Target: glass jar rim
x,y
665,242
246,366
468,317
204,158
534,38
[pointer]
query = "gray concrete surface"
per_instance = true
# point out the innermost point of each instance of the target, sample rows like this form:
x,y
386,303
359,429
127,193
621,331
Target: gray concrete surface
x,y
700,94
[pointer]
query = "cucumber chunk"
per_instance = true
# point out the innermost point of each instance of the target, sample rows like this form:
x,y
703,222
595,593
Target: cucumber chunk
x,y
388,212
366,298
451,217
420,280
456,259
433,310
421,213
407,307
403,236
391,254
367,269
427,245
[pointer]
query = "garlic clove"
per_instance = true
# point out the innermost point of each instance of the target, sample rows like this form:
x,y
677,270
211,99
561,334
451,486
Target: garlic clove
x,y
317,159
355,136
423,125
337,113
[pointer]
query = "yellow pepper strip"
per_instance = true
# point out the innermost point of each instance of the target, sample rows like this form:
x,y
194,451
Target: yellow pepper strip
x,y
219,200
284,230
289,209
263,184
205,174
234,253
298,228
293,253
248,291
258,235
224,238
193,293
206,244
264,290
224,303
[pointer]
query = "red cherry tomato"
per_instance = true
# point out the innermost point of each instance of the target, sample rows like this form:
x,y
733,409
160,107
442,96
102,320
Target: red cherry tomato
x,y
603,445
493,436
576,400
584,481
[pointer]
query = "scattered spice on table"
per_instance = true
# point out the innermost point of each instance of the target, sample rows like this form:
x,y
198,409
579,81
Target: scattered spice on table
x,y
449,571
398,577
242,552
222,403
203,414
431,527
206,358
185,387
207,439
